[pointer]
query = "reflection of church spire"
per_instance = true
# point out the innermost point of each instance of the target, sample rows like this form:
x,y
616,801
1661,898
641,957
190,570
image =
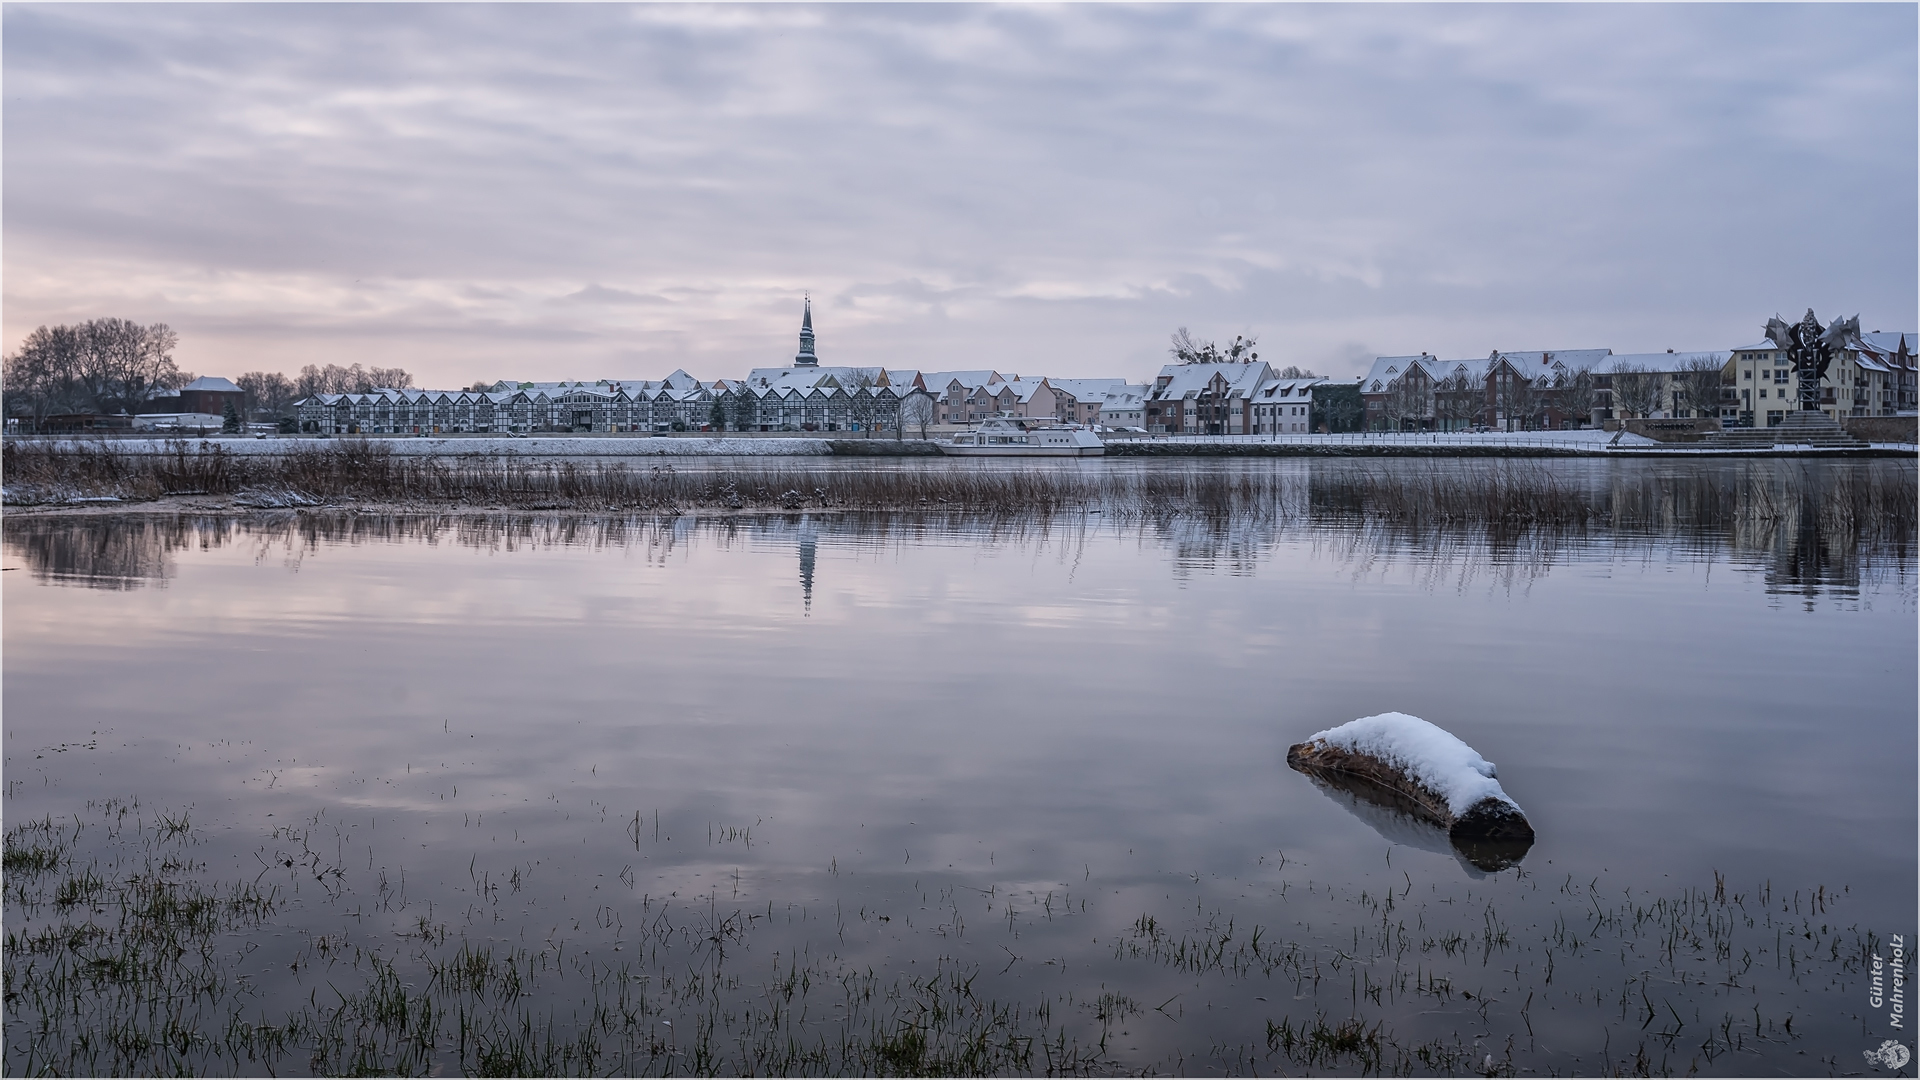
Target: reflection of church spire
x,y
806,569
806,357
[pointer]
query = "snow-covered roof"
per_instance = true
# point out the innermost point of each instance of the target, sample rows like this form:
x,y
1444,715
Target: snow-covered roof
x,y
212,383
1024,389
782,381
1177,381
1386,369
1890,342
1474,371
1571,359
1660,361
1086,389
939,381
1279,389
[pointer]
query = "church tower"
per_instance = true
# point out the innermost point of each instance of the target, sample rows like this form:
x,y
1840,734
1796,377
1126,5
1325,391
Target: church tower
x,y
806,357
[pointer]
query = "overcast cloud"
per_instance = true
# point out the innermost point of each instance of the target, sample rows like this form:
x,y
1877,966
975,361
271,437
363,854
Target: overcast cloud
x,y
592,191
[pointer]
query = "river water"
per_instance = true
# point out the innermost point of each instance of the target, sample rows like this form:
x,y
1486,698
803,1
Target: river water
x,y
676,762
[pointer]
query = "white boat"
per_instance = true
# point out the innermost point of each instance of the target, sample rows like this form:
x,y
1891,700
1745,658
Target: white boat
x,y
1024,436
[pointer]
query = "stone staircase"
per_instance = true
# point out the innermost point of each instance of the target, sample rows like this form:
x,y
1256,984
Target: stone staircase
x,y
1802,427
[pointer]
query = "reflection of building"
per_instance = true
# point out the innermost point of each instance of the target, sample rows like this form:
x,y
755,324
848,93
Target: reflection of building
x,y
807,540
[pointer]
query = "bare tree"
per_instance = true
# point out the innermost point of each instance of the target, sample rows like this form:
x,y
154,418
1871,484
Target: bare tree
x,y
863,403
1293,372
122,362
1578,395
103,364
269,393
387,378
43,377
1406,400
1459,400
1636,390
334,379
916,411
1699,384
1519,399
1189,350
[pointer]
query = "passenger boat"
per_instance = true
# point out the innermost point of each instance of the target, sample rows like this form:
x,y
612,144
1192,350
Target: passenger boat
x,y
1024,436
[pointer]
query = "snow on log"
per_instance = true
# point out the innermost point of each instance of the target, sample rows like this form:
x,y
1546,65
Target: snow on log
x,y
1444,778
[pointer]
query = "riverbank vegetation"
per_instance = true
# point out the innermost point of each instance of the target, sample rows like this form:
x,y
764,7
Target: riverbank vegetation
x,y
127,954
1874,502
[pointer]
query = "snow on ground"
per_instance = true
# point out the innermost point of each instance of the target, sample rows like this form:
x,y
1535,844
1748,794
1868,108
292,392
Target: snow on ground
x,y
1589,441
1435,757
1584,439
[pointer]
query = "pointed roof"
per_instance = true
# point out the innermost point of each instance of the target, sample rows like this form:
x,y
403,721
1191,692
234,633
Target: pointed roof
x,y
806,357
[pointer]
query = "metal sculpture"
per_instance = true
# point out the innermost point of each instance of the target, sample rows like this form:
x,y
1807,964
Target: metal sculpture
x,y
1811,349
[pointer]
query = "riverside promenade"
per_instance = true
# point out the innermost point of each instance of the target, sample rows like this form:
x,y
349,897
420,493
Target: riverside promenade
x,y
1584,443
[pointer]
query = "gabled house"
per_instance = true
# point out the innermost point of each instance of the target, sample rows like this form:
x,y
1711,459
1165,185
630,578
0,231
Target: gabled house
x,y
1205,399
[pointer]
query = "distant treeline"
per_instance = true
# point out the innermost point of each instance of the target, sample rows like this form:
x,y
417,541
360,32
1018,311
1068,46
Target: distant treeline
x,y
119,366
271,395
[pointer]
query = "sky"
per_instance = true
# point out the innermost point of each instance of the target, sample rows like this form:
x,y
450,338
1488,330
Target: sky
x,y
599,191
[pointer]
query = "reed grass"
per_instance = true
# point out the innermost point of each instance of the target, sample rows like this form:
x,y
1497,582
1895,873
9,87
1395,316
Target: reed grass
x,y
1501,496
125,955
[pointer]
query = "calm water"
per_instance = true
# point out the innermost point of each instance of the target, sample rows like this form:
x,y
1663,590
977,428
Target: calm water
x,y
1047,755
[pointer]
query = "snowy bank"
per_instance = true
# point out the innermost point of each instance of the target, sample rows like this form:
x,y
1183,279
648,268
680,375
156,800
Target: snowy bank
x,y
559,446
1443,778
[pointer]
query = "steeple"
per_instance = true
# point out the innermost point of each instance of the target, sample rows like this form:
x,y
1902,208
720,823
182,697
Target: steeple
x,y
806,357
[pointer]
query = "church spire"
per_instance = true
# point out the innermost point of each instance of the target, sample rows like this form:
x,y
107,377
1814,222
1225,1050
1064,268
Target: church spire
x,y
806,357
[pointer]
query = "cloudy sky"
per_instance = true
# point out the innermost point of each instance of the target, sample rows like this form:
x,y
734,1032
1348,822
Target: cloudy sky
x,y
592,191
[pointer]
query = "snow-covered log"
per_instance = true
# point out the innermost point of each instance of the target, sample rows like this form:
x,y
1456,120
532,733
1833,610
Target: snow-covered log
x,y
1442,777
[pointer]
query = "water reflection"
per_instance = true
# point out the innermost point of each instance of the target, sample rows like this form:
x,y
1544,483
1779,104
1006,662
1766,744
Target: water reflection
x,y
808,539
113,553
1399,820
1814,529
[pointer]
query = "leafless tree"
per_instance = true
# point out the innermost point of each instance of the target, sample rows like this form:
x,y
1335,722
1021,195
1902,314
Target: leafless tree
x,y
1636,390
1189,350
1293,372
43,377
103,364
1406,400
916,411
269,393
1578,396
334,379
863,401
122,362
1699,384
1459,400
1519,398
